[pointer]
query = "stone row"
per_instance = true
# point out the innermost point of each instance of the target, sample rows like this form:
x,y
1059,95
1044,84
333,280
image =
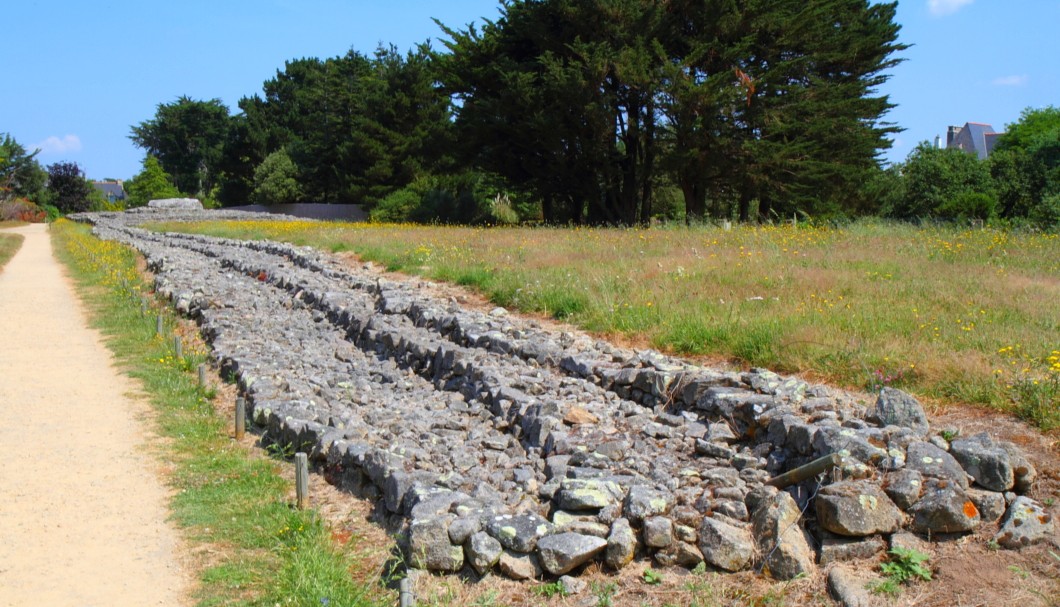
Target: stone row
x,y
502,445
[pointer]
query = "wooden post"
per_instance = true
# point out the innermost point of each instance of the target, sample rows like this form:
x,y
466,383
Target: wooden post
x,y
158,325
241,417
802,473
178,348
143,306
405,597
301,480
202,375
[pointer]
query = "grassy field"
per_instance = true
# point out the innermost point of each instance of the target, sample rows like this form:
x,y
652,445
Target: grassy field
x,y
253,548
958,316
9,245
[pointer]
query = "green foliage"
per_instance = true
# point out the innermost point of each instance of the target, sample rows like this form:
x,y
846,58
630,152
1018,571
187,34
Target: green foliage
x,y
275,180
465,198
151,183
549,590
67,188
188,138
969,205
652,577
905,565
21,176
943,183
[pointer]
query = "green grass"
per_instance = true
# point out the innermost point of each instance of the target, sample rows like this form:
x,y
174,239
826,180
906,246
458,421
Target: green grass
x,y
959,316
9,245
224,497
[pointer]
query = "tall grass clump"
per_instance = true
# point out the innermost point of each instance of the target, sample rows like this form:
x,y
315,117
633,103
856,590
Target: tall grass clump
x,y
9,245
929,309
262,551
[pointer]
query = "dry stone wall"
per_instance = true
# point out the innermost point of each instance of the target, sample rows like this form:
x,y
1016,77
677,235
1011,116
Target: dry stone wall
x,y
500,445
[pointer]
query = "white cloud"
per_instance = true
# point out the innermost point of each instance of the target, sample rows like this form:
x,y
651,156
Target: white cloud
x,y
59,145
1015,80
940,8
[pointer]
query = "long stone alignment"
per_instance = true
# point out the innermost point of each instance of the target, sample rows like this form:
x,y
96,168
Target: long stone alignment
x,y
499,444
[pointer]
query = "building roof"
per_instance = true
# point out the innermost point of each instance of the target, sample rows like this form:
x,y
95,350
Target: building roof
x,y
976,137
113,190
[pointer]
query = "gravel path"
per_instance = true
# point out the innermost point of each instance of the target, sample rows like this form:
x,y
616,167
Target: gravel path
x,y
82,521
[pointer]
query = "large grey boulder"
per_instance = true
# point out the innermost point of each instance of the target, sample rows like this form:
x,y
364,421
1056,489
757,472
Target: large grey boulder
x,y
931,461
519,566
621,545
482,552
429,546
985,460
587,494
782,542
518,532
1026,523
857,509
896,408
944,508
563,552
643,502
182,204
904,487
658,532
725,545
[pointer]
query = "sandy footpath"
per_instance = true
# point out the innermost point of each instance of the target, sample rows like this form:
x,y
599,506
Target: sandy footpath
x,y
82,512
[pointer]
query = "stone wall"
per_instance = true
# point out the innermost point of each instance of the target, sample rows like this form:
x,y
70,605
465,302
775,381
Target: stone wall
x,y
501,445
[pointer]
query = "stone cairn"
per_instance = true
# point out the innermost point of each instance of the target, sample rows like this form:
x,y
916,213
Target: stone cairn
x,y
502,446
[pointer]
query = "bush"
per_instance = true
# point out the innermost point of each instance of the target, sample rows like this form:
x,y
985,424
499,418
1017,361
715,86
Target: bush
x,y
1046,214
968,205
20,209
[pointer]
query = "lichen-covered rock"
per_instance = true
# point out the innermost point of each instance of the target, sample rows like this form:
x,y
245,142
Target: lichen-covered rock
x,y
896,408
838,549
563,552
519,532
643,502
782,543
931,461
1026,523
985,460
904,487
429,546
587,494
944,508
680,554
991,505
725,545
856,508
482,552
621,545
658,532
519,566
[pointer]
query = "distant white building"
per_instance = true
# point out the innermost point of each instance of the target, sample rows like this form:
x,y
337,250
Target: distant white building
x,y
974,137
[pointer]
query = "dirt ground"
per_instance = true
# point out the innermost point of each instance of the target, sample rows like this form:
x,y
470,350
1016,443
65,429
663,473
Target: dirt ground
x,y
83,515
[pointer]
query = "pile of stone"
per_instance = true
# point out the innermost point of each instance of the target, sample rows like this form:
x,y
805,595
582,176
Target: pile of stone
x,y
500,445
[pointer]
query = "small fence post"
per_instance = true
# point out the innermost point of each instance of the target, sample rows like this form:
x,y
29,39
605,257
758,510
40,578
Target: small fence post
x,y
405,597
158,325
202,375
178,348
241,417
143,306
301,480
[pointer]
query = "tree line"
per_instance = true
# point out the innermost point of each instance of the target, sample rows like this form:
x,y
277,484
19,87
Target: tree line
x,y
600,112
565,111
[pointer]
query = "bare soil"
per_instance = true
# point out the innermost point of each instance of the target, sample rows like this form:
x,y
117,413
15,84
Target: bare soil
x,y
83,516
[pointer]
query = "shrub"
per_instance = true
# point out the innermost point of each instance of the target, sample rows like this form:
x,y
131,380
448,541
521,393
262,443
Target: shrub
x,y
969,205
20,209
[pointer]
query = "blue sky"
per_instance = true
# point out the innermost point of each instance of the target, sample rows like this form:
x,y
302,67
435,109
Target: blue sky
x,y
77,75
